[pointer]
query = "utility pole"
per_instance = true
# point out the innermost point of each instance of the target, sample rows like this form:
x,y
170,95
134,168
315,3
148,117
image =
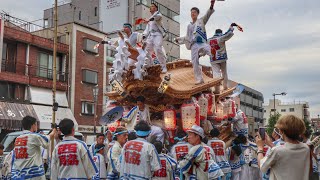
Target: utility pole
x,y
54,105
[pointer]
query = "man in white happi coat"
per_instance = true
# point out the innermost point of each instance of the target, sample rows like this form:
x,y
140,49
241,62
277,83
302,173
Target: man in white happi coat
x,y
121,137
154,34
141,112
219,148
219,58
240,123
196,39
181,148
198,163
99,161
168,164
71,158
139,159
27,159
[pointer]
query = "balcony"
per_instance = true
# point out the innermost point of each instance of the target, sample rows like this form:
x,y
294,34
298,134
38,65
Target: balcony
x,y
32,75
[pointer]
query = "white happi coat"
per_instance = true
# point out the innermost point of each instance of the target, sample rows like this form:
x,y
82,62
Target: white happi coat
x,y
27,159
101,166
106,148
139,160
199,163
6,166
196,41
154,33
136,115
240,123
71,159
219,147
113,159
167,170
179,150
249,162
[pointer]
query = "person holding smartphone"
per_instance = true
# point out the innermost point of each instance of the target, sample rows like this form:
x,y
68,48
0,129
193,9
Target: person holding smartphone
x,y
279,160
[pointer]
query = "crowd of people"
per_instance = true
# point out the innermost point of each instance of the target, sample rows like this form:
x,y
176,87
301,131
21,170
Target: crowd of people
x,y
129,155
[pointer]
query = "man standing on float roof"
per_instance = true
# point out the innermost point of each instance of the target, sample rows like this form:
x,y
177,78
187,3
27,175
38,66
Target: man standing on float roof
x,y
154,37
196,39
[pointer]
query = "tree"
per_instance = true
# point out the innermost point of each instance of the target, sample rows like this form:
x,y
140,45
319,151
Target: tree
x,y
271,122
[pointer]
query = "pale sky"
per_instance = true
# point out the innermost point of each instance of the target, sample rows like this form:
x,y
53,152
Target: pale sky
x,y
278,51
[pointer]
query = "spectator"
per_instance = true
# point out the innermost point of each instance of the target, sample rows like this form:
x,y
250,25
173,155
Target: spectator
x,y
280,159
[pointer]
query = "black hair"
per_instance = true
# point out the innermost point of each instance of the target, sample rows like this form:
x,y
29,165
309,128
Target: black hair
x,y
142,126
155,5
195,9
1,147
158,145
141,99
128,24
27,122
214,132
98,146
181,134
204,140
218,31
98,135
240,139
132,136
66,125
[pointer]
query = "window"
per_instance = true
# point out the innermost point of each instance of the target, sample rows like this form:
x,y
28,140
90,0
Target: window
x,y
89,76
95,11
265,110
9,57
45,66
80,15
87,108
45,23
291,109
283,110
88,45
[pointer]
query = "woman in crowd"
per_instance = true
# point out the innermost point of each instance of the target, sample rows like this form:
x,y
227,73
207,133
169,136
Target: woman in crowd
x,y
290,161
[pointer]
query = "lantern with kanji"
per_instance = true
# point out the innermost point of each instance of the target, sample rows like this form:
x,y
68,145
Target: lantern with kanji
x,y
219,112
225,108
231,108
203,103
190,115
170,121
211,104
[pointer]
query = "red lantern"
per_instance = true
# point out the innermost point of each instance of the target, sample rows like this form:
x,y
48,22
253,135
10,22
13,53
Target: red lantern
x,y
190,115
232,108
211,104
203,103
170,121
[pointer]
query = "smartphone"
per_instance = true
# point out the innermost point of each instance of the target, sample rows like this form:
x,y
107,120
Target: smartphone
x,y
262,132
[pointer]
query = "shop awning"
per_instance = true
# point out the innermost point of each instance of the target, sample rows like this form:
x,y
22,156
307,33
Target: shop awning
x,y
11,114
44,96
44,114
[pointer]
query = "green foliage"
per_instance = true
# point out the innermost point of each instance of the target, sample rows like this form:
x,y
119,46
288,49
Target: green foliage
x,y
271,122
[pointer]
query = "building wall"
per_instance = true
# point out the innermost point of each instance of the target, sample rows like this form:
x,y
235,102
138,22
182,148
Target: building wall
x,y
70,12
300,109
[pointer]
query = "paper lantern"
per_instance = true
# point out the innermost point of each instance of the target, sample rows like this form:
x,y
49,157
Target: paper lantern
x,y
170,121
219,112
231,108
225,109
190,115
203,103
211,104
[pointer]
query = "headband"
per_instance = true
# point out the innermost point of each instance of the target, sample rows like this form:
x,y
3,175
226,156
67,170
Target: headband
x,y
180,139
143,133
119,133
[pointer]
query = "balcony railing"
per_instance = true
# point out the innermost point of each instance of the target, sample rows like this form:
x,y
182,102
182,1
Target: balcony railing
x,y
32,71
